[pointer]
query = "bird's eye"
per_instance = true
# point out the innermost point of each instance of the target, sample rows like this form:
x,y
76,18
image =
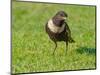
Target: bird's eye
x,y
61,15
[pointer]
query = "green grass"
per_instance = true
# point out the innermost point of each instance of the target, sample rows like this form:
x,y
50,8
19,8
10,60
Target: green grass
x,y
31,47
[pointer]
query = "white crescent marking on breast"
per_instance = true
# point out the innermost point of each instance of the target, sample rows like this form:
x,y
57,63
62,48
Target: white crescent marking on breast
x,y
55,28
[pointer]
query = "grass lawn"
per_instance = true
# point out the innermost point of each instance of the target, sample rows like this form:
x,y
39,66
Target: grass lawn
x,y
31,47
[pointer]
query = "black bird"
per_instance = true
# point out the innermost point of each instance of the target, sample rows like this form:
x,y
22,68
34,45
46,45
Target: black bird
x,y
58,29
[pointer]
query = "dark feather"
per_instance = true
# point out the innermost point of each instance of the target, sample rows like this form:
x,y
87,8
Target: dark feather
x,y
65,35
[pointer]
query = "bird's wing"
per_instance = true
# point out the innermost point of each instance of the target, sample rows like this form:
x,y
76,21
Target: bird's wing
x,y
68,32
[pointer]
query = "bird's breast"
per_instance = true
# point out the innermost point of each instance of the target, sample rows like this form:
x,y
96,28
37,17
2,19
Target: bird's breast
x,y
54,28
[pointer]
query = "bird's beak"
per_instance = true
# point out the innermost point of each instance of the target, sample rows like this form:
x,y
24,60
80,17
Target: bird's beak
x,y
64,18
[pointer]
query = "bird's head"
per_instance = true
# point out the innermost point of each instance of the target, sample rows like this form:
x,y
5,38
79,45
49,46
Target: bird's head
x,y
60,17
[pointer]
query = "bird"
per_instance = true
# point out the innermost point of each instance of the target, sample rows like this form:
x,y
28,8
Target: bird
x,y
58,30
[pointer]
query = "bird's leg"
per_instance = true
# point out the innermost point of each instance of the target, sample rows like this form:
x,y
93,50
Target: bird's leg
x,y
66,46
55,47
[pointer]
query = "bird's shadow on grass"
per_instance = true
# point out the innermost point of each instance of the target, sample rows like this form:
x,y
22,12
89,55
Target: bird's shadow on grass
x,y
87,50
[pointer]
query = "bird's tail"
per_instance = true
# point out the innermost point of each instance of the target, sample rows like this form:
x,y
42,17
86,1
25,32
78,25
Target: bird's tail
x,y
71,40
